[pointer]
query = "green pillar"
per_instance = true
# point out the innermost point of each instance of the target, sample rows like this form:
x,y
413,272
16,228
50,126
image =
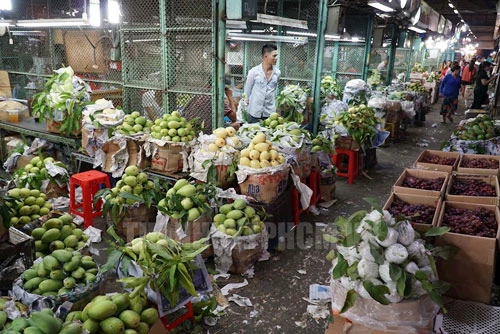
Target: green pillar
x,y
368,46
392,54
318,64
218,89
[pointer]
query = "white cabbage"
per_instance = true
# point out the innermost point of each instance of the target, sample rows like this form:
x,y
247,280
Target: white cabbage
x,y
374,216
406,233
362,291
384,272
393,295
367,269
365,251
347,283
367,236
416,249
411,267
396,253
390,239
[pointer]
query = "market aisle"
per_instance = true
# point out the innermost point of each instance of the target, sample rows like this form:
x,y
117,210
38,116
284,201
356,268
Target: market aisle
x,y
280,285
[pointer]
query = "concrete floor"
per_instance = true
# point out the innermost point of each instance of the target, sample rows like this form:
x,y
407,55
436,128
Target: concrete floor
x,y
277,290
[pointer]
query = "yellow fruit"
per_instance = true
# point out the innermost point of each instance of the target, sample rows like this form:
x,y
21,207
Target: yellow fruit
x,y
220,142
245,153
250,147
259,138
255,164
261,147
233,141
220,133
230,131
273,154
274,163
265,155
212,147
273,116
281,159
244,161
254,155
265,164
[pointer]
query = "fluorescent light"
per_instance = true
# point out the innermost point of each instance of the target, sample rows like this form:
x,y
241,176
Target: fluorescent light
x,y
52,23
7,23
451,5
281,21
265,38
380,6
95,13
455,11
5,5
416,29
403,3
113,11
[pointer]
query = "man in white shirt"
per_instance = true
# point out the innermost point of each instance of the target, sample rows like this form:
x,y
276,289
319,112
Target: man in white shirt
x,y
261,84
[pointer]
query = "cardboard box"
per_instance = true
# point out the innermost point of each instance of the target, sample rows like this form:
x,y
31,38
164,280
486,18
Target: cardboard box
x,y
194,231
135,221
478,171
265,187
327,188
347,143
341,325
55,127
470,272
445,168
93,139
23,160
169,158
490,179
434,201
137,155
398,187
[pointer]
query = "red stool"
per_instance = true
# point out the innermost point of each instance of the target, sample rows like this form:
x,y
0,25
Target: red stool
x,y
180,320
351,172
90,182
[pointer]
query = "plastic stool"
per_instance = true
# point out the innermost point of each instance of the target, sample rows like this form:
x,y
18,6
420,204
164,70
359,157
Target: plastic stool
x,y
90,182
180,320
352,171
313,182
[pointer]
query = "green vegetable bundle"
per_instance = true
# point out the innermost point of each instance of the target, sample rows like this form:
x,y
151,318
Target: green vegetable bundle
x,y
292,103
416,87
360,122
330,89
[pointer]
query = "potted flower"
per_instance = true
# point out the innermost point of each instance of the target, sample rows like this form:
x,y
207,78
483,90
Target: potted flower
x,y
62,102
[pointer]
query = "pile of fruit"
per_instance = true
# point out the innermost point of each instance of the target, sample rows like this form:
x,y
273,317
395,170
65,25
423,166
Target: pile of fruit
x,y
330,88
186,201
35,172
479,128
416,87
322,144
58,233
237,219
134,124
273,121
29,205
480,222
225,137
172,127
39,322
417,68
425,184
419,213
5,322
375,79
472,187
116,314
260,153
360,122
59,273
437,160
132,182
482,163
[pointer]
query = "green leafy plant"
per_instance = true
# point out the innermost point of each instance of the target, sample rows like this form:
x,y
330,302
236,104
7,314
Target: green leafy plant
x,y
330,89
360,122
66,94
292,102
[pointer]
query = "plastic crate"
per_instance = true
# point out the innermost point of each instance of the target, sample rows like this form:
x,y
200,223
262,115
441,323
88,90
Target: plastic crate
x,y
20,245
468,317
281,217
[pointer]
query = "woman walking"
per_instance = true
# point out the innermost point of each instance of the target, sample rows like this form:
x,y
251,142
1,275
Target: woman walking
x,y
468,74
449,89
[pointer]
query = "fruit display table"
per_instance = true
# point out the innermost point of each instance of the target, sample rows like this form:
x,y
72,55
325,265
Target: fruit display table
x,y
31,128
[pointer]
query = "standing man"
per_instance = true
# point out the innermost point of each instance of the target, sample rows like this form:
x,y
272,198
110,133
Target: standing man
x,y
261,84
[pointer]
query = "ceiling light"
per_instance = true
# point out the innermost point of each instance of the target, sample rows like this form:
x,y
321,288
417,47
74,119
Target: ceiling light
x,y
455,11
5,5
416,29
464,28
381,5
53,23
113,11
403,3
266,38
7,23
451,5
95,13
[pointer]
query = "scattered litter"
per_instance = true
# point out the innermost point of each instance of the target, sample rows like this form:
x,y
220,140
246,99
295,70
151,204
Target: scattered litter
x,y
302,272
225,290
319,292
278,327
327,204
313,210
321,224
253,313
220,309
421,144
240,301
93,233
301,324
78,220
434,125
60,203
367,176
265,256
226,276
250,272
318,311
210,321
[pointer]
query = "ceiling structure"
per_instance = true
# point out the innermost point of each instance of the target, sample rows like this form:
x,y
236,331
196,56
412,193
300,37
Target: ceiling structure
x,y
480,15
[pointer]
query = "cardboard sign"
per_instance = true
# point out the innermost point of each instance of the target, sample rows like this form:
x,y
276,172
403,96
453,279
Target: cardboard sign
x,y
265,187
168,158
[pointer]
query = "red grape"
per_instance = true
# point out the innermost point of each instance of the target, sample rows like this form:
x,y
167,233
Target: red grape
x,y
427,184
472,187
480,222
